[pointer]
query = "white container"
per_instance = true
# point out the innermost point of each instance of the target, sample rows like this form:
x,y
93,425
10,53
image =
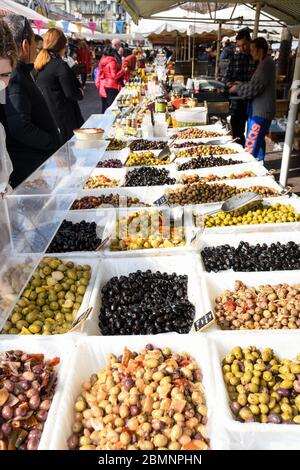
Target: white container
x,y
250,436
261,228
214,284
160,129
255,167
198,114
234,240
90,358
112,173
181,220
122,266
51,348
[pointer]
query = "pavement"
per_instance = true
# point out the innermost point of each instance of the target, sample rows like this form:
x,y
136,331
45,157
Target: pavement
x,y
91,105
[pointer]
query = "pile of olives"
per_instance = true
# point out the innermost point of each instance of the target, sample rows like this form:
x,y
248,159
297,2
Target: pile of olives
x,y
145,158
146,303
148,176
263,307
51,300
116,144
205,151
207,162
114,200
81,236
265,214
111,163
142,144
262,387
246,257
27,386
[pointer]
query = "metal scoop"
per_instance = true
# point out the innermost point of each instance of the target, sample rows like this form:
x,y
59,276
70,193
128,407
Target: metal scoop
x,y
245,201
166,152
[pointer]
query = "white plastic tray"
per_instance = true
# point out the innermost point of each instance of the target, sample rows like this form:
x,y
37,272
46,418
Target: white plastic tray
x,y
249,436
116,154
262,228
60,347
253,239
214,284
113,173
90,358
256,167
111,267
177,213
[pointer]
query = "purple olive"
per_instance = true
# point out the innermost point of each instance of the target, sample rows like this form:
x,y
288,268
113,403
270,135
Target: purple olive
x,y
120,358
73,442
157,425
296,385
33,444
20,412
34,402
25,385
149,347
14,379
34,434
45,405
274,418
134,410
198,376
28,375
204,420
42,415
8,385
283,392
37,370
31,393
7,412
198,436
128,384
6,429
235,407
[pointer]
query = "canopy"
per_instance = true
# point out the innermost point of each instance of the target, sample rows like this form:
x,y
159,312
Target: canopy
x,y
9,7
288,11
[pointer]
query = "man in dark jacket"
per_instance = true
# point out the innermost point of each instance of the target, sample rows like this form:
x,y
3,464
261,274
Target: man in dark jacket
x,y
32,135
241,68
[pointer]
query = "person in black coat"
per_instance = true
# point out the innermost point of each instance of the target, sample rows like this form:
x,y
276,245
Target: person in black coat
x,y
31,132
58,83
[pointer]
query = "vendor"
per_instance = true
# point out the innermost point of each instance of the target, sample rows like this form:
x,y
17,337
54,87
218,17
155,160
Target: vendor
x,y
261,91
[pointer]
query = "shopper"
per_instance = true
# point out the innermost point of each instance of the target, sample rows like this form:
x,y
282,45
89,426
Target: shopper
x,y
59,85
31,132
130,62
84,59
109,80
8,60
261,91
116,45
241,68
39,43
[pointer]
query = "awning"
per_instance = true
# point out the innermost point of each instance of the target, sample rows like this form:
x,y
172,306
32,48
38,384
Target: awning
x,y
288,11
9,7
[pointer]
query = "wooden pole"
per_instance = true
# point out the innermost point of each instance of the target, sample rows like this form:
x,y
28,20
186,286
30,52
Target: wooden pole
x,y
256,22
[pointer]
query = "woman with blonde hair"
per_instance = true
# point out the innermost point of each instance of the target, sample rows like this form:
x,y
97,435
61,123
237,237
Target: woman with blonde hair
x,y
59,85
8,60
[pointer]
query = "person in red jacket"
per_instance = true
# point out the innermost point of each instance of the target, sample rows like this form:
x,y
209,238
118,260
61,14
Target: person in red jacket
x,y
84,59
129,62
110,78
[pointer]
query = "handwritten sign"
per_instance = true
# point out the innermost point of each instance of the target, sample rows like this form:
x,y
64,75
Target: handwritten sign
x,y
161,201
205,321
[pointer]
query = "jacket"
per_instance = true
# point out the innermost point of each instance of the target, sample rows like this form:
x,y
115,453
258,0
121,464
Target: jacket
x,y
129,63
31,132
109,76
84,58
261,90
62,91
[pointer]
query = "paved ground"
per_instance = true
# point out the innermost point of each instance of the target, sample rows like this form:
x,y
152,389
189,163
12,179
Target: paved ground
x,y
90,105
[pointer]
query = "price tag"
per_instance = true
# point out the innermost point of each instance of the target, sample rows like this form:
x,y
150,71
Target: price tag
x,y
204,322
78,321
161,201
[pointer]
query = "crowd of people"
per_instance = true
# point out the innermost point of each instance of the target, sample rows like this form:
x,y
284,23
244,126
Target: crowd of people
x,y
40,91
40,106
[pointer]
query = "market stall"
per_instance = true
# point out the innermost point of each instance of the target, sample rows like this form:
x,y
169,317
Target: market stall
x,y
121,244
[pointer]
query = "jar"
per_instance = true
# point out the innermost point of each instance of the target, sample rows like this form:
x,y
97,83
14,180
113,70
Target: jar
x,y
161,106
